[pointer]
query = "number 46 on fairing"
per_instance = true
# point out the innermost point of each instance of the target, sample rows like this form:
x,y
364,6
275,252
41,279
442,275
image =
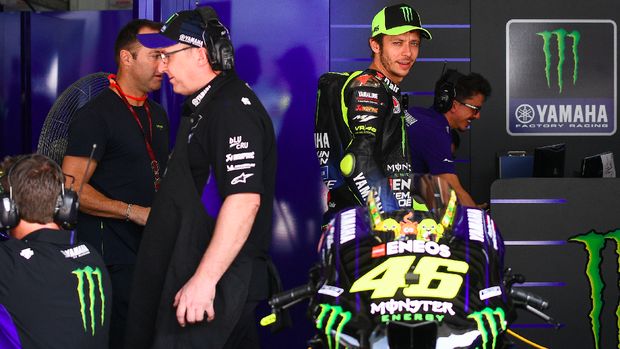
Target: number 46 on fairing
x,y
395,269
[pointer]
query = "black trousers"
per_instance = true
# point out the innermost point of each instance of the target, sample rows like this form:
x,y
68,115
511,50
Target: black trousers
x,y
245,334
121,276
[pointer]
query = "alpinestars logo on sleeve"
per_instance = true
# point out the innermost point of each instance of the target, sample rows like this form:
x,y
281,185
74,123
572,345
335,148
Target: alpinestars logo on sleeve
x,y
91,297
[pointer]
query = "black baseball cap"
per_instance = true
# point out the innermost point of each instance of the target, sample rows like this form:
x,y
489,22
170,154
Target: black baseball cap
x,y
396,20
185,27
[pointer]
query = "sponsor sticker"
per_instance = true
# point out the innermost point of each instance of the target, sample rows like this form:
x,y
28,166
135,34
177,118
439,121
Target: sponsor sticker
x,y
490,292
241,178
237,143
240,156
366,108
561,77
331,290
76,252
239,167
26,253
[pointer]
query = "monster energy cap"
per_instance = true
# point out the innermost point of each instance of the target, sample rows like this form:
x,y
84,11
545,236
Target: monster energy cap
x,y
396,20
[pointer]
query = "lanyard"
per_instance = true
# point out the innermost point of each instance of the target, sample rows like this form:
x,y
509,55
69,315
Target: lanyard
x,y
147,140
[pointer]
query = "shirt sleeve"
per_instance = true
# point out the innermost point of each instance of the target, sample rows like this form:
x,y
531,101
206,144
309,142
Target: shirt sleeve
x,y
431,145
237,140
86,129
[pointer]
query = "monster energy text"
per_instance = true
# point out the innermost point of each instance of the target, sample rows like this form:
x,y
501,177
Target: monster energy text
x,y
594,243
88,291
495,319
407,13
560,35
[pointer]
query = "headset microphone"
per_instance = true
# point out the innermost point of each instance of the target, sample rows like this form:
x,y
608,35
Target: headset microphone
x,y
90,158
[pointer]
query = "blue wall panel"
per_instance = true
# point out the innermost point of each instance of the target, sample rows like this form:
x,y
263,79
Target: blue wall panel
x,y
10,84
83,43
281,52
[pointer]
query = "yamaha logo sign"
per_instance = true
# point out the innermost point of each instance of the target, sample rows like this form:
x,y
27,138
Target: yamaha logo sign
x,y
561,77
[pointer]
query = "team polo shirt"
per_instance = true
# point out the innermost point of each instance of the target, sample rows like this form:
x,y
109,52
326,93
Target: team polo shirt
x,y
232,142
123,169
54,293
430,142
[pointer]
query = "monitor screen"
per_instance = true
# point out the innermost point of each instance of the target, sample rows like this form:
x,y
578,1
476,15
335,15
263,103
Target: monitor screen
x,y
549,160
600,165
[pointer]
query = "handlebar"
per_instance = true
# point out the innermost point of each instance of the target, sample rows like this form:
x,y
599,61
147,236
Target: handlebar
x,y
532,303
285,299
528,298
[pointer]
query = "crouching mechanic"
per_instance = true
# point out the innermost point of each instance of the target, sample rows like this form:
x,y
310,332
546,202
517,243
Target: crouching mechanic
x,y
377,156
199,275
54,292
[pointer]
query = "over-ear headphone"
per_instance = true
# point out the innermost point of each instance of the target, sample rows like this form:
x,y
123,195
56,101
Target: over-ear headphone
x,y
67,204
446,91
217,40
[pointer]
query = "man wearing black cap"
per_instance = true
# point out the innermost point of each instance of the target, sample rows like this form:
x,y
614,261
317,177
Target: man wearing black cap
x,y
378,155
212,267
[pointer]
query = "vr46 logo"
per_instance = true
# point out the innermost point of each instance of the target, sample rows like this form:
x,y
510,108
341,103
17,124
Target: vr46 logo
x,y
560,35
336,314
494,320
594,244
88,291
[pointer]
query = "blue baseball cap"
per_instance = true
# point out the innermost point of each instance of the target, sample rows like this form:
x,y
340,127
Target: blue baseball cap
x,y
185,27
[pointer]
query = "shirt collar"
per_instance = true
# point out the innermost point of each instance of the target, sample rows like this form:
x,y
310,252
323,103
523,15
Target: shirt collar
x,y
194,100
391,85
61,237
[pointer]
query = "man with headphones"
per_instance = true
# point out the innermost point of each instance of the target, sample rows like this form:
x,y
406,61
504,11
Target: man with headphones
x,y
211,266
54,292
458,101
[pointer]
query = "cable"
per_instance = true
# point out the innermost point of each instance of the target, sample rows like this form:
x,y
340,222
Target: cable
x,y
525,340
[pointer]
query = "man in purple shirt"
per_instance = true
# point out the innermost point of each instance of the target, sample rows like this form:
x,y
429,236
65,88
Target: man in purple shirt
x,y
458,100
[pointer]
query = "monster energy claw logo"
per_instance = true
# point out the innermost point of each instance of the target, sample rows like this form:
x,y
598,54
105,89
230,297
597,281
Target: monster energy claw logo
x,y
86,287
560,35
494,325
407,13
594,244
335,313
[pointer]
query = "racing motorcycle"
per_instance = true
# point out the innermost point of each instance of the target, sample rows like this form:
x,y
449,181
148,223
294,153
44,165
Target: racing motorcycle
x,y
429,278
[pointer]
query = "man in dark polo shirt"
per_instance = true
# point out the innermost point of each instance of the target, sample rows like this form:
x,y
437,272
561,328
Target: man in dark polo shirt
x,y
458,100
54,293
200,275
131,134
